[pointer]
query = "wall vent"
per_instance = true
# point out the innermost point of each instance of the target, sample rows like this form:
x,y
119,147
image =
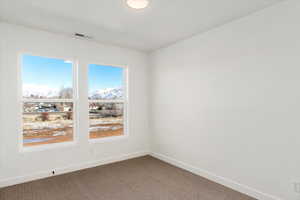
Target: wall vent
x,y
81,35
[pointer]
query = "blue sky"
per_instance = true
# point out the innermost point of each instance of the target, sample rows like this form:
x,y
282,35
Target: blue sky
x,y
101,77
56,73
53,73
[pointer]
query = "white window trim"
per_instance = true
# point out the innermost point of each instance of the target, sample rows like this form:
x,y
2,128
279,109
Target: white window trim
x,y
74,100
125,102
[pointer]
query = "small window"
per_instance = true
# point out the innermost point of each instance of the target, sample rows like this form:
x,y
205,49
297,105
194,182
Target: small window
x,y
107,101
48,107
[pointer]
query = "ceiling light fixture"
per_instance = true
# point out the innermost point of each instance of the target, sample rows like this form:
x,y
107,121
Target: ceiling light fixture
x,y
137,4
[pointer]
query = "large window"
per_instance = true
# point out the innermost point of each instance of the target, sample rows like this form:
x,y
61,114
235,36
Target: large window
x,y
107,101
48,100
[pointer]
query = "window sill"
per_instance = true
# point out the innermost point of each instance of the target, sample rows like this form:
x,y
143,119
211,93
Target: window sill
x,y
107,139
44,147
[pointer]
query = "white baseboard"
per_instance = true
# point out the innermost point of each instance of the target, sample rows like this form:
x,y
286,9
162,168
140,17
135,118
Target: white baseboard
x,y
59,171
215,178
218,179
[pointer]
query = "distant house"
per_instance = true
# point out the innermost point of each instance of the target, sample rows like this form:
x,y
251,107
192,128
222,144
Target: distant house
x,y
67,108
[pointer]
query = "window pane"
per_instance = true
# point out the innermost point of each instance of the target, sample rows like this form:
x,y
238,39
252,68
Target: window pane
x,y
47,123
105,82
46,78
106,119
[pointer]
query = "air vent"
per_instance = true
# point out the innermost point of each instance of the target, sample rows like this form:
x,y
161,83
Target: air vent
x,y
80,35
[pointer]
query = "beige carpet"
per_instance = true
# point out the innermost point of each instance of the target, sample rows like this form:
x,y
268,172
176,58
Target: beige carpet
x,y
144,178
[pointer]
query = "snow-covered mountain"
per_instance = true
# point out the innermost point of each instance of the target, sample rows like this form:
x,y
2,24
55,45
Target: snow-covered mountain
x,y
30,90
41,91
108,93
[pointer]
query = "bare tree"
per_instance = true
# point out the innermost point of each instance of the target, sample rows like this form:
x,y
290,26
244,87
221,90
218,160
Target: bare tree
x,y
65,93
69,115
45,116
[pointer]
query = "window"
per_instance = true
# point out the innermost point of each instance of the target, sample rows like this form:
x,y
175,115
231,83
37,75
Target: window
x,y
107,101
48,100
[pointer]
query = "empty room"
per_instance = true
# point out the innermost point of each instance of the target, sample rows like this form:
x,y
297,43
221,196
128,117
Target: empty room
x,y
150,100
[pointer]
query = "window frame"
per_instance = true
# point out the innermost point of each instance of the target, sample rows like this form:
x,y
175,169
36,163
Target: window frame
x,y
125,101
73,100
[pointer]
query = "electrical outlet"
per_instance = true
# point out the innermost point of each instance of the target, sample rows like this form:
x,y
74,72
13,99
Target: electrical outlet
x,y
297,187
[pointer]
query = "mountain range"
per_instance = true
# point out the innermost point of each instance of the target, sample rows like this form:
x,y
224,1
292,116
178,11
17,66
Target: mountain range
x,y
39,91
109,93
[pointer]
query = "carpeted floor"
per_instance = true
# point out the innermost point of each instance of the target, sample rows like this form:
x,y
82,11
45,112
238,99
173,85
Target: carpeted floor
x,y
144,178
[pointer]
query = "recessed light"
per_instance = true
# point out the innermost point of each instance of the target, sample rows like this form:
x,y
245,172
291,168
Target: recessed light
x,y
137,4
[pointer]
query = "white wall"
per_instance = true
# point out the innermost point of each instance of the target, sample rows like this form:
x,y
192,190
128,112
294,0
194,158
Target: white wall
x,y
16,166
227,102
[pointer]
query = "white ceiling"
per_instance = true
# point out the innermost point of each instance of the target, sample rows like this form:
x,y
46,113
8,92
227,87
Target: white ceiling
x,y
111,21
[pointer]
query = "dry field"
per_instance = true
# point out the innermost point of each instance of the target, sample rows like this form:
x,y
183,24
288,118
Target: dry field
x,y
57,129
106,127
